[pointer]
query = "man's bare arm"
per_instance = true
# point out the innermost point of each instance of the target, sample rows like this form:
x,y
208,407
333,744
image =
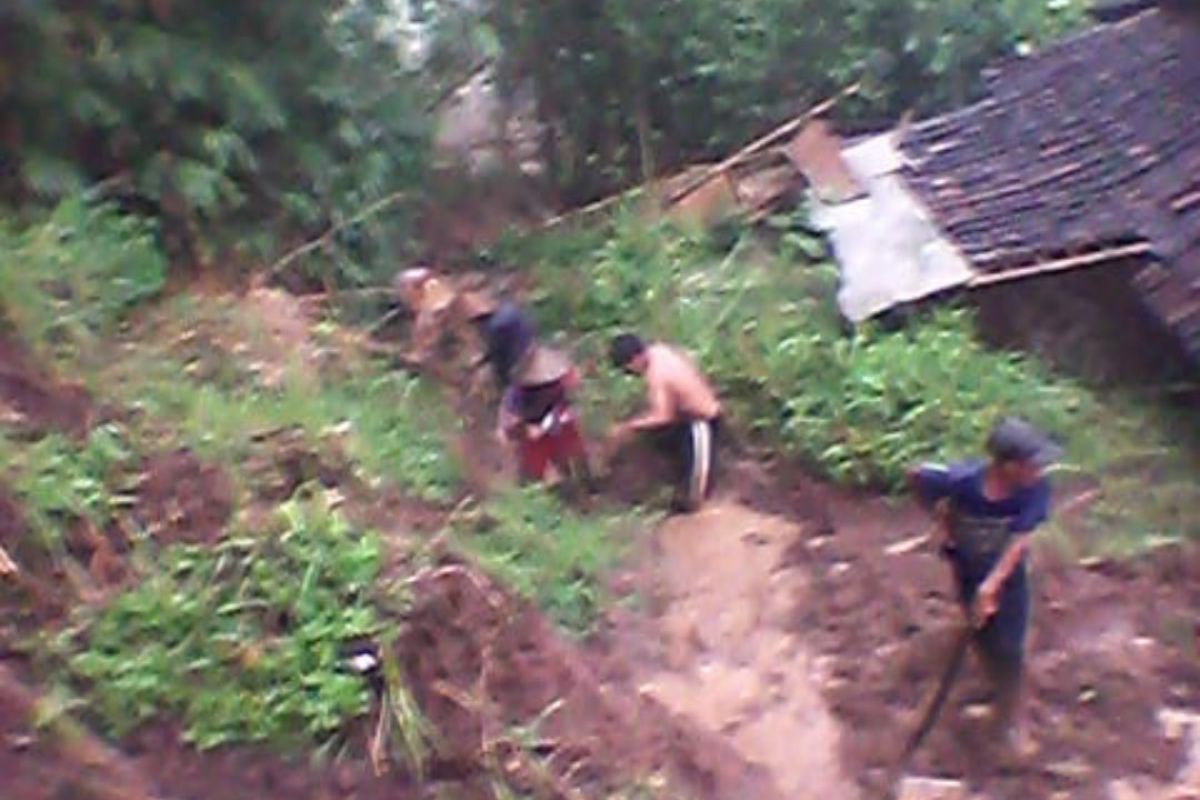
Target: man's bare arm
x,y
658,412
987,599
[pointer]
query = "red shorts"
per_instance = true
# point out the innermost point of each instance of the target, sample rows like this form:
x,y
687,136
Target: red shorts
x,y
562,446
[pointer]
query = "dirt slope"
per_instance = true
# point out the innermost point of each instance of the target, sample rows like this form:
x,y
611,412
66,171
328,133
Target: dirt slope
x,y
729,660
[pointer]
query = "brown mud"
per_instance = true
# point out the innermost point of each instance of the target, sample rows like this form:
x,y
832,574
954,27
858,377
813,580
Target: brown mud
x,y
37,402
182,499
782,641
1111,646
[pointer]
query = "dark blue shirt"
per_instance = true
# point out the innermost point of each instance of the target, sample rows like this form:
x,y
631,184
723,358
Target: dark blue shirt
x,y
981,527
509,334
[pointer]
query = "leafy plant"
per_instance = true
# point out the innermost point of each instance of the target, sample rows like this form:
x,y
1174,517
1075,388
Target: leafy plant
x,y
59,481
247,125
549,553
71,278
860,406
243,641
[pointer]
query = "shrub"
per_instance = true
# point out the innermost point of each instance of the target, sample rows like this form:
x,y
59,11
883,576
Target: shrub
x,y
242,642
70,279
860,406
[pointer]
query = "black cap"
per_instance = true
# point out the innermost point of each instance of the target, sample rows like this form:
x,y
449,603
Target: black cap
x,y
1016,440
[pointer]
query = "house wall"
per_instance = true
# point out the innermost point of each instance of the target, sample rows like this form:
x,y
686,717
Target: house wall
x,y
1089,323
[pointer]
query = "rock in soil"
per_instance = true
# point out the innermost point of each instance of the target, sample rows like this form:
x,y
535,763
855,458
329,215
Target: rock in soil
x,y
932,789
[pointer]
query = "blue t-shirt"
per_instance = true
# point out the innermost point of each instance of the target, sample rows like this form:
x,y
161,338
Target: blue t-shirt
x,y
982,527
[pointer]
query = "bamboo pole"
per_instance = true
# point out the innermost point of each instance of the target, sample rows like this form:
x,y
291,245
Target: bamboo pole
x,y
709,174
325,238
787,128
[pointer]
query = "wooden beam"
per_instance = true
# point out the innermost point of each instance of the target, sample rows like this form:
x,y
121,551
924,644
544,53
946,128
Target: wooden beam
x,y
709,174
773,136
1061,265
591,208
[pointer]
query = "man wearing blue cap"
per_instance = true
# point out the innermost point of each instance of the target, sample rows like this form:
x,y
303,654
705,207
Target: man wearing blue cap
x,y
990,508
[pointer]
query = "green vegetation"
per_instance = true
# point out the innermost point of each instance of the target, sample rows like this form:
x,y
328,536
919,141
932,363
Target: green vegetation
x,y
60,482
388,424
860,407
241,641
548,553
691,79
230,122
67,281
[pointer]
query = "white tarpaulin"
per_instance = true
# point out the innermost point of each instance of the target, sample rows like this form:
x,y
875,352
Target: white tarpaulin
x,y
887,247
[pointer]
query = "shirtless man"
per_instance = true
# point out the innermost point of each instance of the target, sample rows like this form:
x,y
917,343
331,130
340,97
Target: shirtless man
x,y
683,413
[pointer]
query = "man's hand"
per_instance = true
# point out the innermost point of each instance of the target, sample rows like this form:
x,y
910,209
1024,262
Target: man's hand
x,y
987,600
618,434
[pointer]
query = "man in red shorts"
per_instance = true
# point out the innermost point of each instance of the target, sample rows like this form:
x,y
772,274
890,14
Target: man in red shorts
x,y
536,414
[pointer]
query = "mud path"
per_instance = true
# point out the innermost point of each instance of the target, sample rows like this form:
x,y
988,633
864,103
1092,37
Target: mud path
x,y
728,659
805,626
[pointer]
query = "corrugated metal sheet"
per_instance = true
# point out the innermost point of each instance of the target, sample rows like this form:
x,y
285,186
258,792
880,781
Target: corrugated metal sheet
x,y
888,247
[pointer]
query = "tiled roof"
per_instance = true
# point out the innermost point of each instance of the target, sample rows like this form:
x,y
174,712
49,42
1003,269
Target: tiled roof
x,y
1093,143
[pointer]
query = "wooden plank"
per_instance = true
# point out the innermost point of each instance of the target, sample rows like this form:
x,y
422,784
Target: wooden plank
x,y
1062,265
817,153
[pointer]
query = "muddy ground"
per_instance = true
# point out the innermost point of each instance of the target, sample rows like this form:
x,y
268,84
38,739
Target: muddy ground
x,y
775,645
1111,646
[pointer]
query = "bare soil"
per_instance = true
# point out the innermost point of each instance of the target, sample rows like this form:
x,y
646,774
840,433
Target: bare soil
x,y
37,401
725,654
485,666
1111,645
182,499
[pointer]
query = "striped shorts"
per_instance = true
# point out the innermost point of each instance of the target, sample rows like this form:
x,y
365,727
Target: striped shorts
x,y
692,444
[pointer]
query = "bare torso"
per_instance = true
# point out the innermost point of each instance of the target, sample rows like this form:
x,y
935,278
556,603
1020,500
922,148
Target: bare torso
x,y
687,392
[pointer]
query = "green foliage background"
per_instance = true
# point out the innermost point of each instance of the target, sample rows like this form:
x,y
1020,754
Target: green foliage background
x,y
230,121
627,85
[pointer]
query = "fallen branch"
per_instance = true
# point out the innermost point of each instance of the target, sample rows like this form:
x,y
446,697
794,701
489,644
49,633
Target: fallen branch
x,y
325,238
592,208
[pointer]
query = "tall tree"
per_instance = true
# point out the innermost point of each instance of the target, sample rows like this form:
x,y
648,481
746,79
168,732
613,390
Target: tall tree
x,y
277,116
620,82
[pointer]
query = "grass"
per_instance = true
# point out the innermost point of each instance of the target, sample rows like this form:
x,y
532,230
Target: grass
x,y
69,280
861,407
548,553
190,388
241,642
59,481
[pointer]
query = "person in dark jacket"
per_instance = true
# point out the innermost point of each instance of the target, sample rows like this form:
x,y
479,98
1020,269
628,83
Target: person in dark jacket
x,y
507,332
